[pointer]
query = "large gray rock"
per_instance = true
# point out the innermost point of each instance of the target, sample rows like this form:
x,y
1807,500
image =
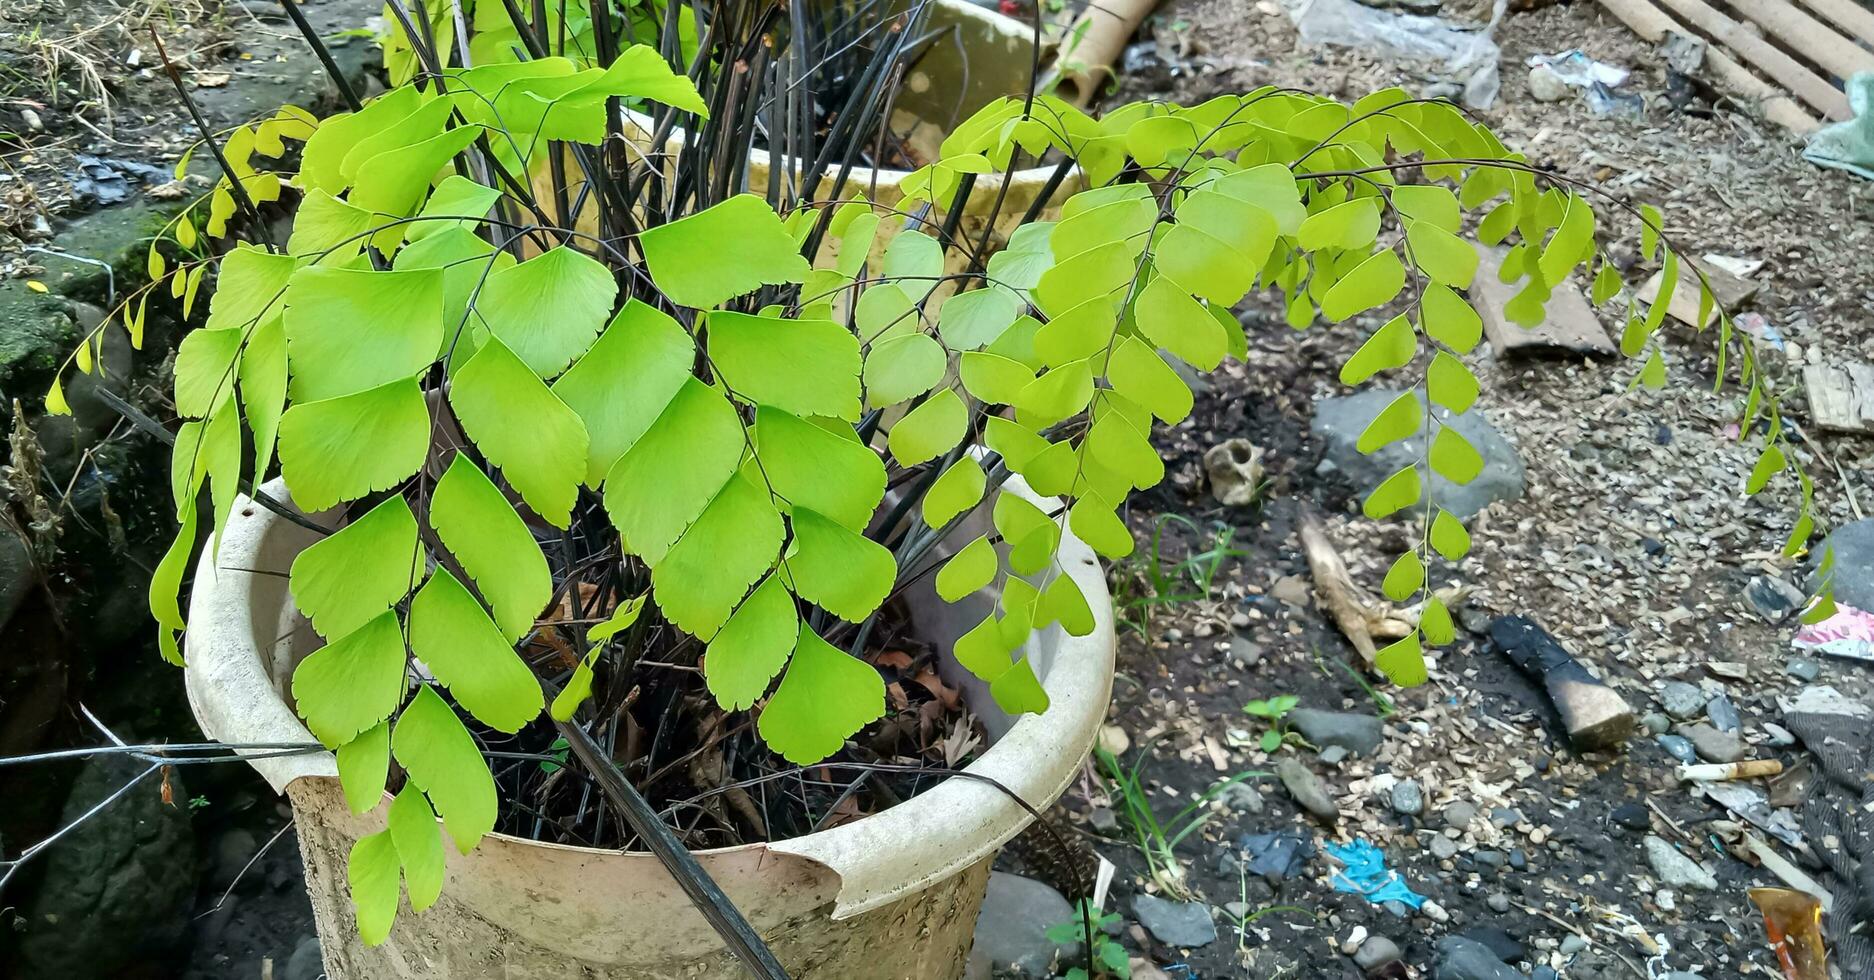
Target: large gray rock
x,y
1307,789
1182,924
1351,731
1012,928
1339,421
118,889
1853,546
1675,870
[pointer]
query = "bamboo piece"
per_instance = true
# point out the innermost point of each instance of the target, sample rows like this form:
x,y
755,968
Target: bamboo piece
x,y
1783,69
1848,17
1652,25
1084,70
1809,37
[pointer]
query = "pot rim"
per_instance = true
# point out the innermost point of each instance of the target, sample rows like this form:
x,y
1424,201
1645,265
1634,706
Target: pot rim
x,y
961,819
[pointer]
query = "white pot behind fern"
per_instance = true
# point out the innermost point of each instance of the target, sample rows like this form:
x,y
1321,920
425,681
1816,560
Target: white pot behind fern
x,y
892,895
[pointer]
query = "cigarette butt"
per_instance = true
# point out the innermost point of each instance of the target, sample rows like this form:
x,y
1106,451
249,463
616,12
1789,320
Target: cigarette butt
x,y
1724,771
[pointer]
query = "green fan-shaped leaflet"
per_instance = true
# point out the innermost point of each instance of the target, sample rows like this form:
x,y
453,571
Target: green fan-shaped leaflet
x,y
1173,320
478,525
205,370
431,744
372,872
549,308
344,448
929,430
824,697
326,148
838,569
1376,280
353,682
394,182
1078,332
808,367
970,320
327,230
722,252
468,654
364,768
752,646
412,826
903,367
1138,373
971,568
263,389
350,330
456,203
466,261
538,442
735,540
958,489
992,378
1018,690
1449,320
624,380
1030,533
811,466
350,576
670,474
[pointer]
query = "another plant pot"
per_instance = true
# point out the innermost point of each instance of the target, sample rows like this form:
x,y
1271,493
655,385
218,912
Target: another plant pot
x,y
895,894
992,59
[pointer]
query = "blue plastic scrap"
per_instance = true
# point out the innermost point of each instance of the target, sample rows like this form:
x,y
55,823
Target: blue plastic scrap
x,y
1364,872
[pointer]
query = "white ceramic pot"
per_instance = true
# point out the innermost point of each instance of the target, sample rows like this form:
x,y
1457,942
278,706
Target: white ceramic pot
x,y
893,895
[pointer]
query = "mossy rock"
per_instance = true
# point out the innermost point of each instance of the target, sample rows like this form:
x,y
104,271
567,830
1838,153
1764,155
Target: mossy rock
x,y
36,333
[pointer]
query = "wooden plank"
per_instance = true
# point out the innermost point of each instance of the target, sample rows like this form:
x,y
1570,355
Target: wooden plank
x,y
1782,69
1571,327
1729,290
1841,396
1848,17
1809,37
1652,24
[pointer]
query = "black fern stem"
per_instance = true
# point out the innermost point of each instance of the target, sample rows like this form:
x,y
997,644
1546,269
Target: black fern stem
x,y
324,55
723,916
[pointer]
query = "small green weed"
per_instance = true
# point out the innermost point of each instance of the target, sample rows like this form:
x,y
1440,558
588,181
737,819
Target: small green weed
x,y
1151,579
1157,839
1273,710
1105,956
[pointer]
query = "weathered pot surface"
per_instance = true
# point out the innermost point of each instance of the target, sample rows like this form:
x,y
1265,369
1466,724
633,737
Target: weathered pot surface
x,y
892,895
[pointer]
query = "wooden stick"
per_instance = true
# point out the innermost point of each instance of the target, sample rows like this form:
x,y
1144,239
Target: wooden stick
x,y
1344,602
1782,69
1084,70
1810,37
1848,17
1652,24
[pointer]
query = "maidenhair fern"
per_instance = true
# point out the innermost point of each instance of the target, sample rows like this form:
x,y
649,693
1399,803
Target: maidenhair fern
x,y
439,359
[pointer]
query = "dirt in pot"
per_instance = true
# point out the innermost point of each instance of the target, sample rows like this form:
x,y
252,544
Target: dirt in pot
x,y
706,770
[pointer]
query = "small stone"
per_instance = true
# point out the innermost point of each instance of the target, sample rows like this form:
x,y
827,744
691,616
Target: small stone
x,y
1462,958
1244,652
1398,909
1103,820
1518,859
1307,789
1376,952
1241,798
1675,869
1681,700
1490,859
1632,816
1656,723
1723,714
1572,944
1239,620
1546,86
1435,911
1498,902
1713,745
1444,848
1114,739
1678,748
1771,598
1334,755
1779,737
1803,670
1408,798
1183,924
1357,733
1665,899
1236,910
1505,816
1460,814
1353,940
1012,927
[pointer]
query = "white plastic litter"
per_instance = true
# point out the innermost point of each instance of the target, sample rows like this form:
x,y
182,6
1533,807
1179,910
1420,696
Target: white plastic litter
x,y
1469,55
